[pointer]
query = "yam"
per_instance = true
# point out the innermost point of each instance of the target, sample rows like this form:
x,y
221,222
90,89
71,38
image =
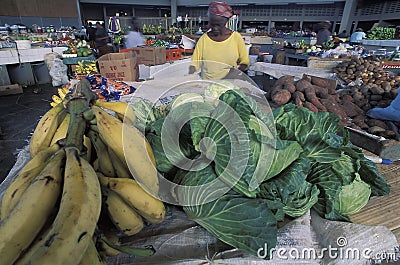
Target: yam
x,y
386,86
362,125
321,92
289,87
302,84
335,108
311,96
347,98
334,98
310,106
351,109
377,90
281,97
299,95
358,118
379,123
284,80
319,82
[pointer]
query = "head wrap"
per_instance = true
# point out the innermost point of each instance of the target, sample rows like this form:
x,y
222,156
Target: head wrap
x,y
221,9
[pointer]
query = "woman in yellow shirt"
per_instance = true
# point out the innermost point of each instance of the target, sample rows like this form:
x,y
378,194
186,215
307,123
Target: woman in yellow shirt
x,y
219,51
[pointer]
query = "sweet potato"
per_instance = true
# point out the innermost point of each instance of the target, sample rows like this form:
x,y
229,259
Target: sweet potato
x,y
310,106
289,87
302,84
284,80
379,123
309,92
321,92
351,109
298,98
335,108
281,97
334,98
319,82
347,98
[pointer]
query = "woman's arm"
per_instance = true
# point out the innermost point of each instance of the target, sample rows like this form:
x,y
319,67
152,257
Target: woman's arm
x,y
244,59
196,57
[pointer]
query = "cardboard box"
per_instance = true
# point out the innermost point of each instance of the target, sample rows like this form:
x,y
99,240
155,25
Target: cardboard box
x,y
150,55
119,66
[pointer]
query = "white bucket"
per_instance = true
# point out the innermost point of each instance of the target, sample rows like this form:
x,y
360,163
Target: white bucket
x,y
253,59
23,44
188,43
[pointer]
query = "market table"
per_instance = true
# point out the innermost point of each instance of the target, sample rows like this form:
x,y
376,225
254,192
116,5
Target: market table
x,y
300,57
75,60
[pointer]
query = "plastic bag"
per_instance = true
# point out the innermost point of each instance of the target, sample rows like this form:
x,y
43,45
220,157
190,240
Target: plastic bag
x,y
49,59
58,73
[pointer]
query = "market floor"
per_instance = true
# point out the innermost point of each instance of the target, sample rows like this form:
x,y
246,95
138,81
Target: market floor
x,y
19,115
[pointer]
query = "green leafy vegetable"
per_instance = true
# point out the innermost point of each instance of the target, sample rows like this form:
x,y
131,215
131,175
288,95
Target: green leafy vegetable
x,y
244,223
291,188
353,197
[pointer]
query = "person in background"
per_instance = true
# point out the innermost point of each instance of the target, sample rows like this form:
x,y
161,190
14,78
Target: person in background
x,y
91,32
357,36
219,44
343,34
135,38
101,39
323,34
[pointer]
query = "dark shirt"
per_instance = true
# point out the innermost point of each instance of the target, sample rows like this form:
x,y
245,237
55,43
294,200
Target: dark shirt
x,y
323,36
91,33
100,33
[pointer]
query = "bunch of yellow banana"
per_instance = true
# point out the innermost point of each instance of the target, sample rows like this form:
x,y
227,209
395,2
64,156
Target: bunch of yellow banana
x,y
54,181
62,92
49,213
86,67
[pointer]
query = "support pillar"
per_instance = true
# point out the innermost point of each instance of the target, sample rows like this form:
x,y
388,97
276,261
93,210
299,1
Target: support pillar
x,y
173,11
348,16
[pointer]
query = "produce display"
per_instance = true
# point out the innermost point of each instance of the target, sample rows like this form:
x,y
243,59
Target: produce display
x,y
86,67
77,180
300,169
76,196
382,33
81,49
371,87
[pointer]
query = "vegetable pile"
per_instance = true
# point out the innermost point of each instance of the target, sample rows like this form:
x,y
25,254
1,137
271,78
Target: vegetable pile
x,y
295,163
382,33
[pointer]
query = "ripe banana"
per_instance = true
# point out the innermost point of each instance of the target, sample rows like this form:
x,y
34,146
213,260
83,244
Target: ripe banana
x,y
124,111
147,206
24,178
91,256
105,164
130,149
46,128
35,206
73,228
125,218
119,167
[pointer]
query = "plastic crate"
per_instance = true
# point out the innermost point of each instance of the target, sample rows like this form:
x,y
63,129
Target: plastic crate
x,y
174,54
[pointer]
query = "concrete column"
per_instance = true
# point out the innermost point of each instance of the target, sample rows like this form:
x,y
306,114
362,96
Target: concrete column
x,y
133,12
348,15
78,7
105,17
173,11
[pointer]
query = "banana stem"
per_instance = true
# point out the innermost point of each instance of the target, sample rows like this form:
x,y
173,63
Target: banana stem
x,y
140,252
78,102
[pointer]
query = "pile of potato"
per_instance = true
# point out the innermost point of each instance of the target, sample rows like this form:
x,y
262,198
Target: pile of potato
x,y
350,105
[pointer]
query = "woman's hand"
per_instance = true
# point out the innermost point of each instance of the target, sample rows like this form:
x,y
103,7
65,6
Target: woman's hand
x,y
242,67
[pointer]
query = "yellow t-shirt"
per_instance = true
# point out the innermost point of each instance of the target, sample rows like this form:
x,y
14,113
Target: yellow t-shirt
x,y
231,52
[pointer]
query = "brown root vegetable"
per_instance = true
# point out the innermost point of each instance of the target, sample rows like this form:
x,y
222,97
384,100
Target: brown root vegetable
x,y
284,80
386,86
311,96
347,98
351,109
376,130
379,123
335,108
319,82
361,103
302,84
289,87
281,97
359,118
310,106
321,92
299,95
334,98
376,97
362,125
388,134
377,90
